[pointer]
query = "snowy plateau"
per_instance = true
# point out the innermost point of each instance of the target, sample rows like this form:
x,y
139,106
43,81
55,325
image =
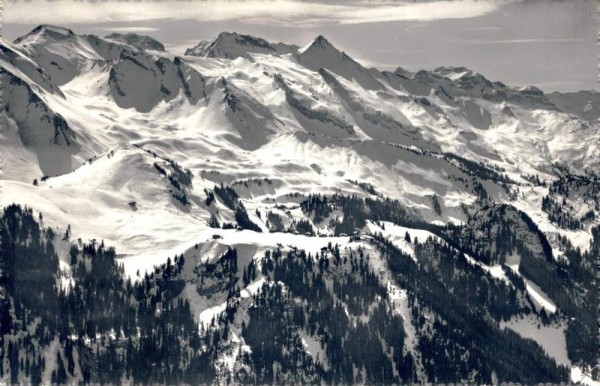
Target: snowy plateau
x,y
262,213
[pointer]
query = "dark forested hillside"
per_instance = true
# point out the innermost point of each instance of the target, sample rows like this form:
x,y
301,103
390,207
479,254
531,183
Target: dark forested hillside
x,y
99,327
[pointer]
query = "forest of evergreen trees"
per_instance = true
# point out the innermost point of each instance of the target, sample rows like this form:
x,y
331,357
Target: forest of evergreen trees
x,y
568,193
490,236
354,322
231,200
99,327
454,294
496,232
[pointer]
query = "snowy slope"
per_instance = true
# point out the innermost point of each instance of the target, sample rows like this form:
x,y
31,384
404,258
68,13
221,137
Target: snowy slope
x,y
58,50
29,121
266,116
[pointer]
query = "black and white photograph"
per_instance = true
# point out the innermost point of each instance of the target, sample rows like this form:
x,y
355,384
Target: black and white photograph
x,y
299,192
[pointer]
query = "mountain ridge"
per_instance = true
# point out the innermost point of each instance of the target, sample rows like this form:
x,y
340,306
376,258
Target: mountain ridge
x,y
140,41
231,45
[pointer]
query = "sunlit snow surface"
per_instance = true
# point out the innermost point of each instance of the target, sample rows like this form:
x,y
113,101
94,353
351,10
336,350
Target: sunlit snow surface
x,y
265,136
551,338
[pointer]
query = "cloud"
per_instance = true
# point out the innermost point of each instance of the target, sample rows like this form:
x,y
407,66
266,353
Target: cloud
x,y
294,12
127,29
514,41
486,28
368,63
558,85
368,13
179,47
521,41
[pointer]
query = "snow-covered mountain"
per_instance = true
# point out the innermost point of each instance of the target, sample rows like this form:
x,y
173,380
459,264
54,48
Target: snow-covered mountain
x,y
322,54
141,42
231,45
246,157
585,104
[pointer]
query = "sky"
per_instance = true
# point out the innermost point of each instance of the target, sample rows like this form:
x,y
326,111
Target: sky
x,y
551,44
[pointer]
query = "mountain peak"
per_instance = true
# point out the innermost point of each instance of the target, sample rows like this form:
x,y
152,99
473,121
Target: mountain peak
x,y
231,45
322,54
321,44
143,42
321,40
245,40
53,29
49,30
